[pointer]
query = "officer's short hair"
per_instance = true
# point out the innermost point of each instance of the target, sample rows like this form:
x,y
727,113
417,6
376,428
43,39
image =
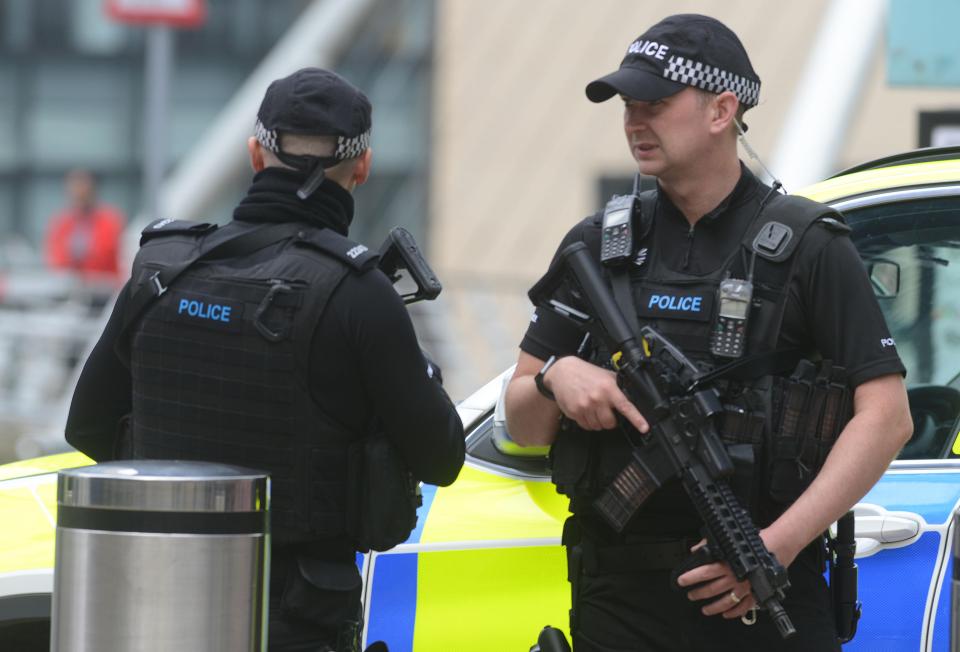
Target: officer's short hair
x,y
301,145
705,97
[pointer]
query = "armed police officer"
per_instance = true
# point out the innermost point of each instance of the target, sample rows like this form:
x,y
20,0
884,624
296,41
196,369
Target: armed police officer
x,y
274,342
763,289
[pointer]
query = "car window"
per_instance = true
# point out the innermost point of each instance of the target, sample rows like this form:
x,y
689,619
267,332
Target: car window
x,y
912,253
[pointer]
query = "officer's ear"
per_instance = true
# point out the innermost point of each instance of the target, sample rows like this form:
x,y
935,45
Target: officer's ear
x,y
723,112
361,171
256,154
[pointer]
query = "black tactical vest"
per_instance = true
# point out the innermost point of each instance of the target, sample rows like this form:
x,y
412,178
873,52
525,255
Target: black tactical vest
x,y
683,308
220,366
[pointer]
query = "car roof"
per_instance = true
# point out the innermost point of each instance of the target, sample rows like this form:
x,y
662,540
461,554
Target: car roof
x,y
920,168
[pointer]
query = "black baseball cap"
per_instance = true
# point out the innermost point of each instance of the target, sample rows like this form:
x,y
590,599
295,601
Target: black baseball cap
x,y
316,102
680,51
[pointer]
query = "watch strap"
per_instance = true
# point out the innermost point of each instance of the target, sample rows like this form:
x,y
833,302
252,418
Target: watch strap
x,y
538,379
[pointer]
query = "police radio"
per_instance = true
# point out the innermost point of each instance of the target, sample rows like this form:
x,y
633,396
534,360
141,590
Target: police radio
x,y
616,234
730,330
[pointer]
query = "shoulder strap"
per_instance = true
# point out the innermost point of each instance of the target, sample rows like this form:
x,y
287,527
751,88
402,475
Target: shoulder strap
x,y
354,255
165,227
239,245
777,237
648,206
620,276
623,294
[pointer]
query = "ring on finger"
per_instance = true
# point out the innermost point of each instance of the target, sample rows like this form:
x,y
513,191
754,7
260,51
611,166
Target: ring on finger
x,y
736,598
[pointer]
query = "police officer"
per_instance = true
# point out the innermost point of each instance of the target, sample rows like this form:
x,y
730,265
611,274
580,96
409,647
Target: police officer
x,y
280,347
685,84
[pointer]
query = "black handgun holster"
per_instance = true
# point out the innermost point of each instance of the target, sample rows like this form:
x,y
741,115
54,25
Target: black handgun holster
x,y
382,497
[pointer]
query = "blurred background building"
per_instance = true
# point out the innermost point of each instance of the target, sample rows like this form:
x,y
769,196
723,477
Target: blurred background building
x,y
485,146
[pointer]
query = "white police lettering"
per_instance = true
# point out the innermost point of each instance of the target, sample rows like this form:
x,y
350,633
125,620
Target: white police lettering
x,y
534,317
887,341
162,223
649,48
356,251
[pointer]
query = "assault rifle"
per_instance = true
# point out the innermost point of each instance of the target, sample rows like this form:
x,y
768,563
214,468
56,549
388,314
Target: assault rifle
x,y
398,253
683,442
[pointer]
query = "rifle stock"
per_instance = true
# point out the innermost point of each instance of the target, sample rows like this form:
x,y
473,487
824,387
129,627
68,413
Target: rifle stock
x,y
400,252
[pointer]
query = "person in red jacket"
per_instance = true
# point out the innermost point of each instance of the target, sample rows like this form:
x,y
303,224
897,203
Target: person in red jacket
x,y
85,236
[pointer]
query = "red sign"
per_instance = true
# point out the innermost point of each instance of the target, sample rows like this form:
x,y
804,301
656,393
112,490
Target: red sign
x,y
178,13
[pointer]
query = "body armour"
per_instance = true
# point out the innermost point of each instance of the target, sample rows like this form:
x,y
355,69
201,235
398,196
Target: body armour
x,y
219,366
771,472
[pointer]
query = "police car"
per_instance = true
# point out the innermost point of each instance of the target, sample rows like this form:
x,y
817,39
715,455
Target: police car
x,y
484,570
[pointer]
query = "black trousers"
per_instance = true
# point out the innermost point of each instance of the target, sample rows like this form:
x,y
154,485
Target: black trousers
x,y
640,611
314,604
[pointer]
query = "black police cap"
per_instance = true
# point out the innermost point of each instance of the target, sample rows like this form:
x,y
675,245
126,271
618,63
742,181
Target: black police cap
x,y
316,102
680,51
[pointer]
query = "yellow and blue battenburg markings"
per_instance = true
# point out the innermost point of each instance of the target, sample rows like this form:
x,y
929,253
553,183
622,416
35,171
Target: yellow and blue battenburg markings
x,y
484,569
896,582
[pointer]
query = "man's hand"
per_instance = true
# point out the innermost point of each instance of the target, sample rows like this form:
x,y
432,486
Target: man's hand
x,y
730,598
589,395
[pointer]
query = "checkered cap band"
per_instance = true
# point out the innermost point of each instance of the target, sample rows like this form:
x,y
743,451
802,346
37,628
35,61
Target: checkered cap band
x,y
715,80
347,148
266,137
352,147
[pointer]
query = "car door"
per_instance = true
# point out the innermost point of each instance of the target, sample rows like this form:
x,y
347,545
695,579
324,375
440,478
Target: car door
x,y
910,243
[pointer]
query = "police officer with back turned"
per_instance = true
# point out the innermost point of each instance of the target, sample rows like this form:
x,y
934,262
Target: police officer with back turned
x,y
279,346
762,288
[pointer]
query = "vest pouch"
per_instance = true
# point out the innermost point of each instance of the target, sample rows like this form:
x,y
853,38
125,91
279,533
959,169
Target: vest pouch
x,y
787,475
324,593
811,409
570,458
382,497
745,480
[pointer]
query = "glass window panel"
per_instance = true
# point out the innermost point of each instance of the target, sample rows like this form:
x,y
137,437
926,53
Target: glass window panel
x,y
43,199
16,24
8,144
198,96
92,31
6,206
80,115
60,135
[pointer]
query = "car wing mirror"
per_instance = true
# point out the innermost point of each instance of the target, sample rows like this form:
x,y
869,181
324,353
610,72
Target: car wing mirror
x,y
884,277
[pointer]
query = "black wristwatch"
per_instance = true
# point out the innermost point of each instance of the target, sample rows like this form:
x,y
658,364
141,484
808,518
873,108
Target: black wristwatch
x,y
538,379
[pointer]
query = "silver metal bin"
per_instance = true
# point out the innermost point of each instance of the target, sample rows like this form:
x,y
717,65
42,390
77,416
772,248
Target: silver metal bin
x,y
161,555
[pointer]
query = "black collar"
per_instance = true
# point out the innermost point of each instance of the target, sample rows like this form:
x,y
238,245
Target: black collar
x,y
745,188
272,197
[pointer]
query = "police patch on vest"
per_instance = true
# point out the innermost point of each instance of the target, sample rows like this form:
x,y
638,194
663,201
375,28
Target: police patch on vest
x,y
206,311
675,304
